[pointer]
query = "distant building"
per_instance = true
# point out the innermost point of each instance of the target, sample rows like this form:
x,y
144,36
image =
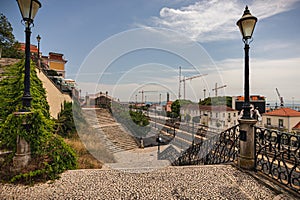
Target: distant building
x,y
283,119
219,117
33,48
56,61
216,117
296,129
168,106
191,109
256,100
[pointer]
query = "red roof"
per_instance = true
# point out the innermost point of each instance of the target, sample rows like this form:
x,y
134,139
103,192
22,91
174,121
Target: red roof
x,y
33,48
284,112
297,126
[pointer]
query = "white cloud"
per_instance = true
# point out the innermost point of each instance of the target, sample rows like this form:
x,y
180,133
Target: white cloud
x,y
265,76
211,20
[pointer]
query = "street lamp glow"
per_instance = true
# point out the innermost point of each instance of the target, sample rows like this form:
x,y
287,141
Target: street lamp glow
x,y
247,24
28,9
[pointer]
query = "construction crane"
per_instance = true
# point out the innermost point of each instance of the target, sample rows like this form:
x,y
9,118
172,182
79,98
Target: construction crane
x,y
280,98
217,88
186,79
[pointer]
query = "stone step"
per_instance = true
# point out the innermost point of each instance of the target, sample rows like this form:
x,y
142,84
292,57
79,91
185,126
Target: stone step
x,y
112,133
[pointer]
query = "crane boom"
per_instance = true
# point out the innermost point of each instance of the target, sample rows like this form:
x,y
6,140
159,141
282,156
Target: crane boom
x,y
280,98
189,78
217,88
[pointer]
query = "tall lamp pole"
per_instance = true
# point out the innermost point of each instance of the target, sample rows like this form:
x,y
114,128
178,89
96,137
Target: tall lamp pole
x,y
28,9
246,25
38,38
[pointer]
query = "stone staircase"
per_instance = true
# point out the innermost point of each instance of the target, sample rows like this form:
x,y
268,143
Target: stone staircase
x,y
113,135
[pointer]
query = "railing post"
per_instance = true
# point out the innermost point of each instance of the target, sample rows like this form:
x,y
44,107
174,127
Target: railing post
x,y
246,159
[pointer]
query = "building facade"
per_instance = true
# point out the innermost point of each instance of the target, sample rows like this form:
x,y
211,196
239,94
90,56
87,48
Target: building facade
x,y
216,117
56,62
283,119
257,101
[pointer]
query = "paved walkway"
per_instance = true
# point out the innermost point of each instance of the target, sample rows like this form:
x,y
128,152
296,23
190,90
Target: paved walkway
x,y
192,182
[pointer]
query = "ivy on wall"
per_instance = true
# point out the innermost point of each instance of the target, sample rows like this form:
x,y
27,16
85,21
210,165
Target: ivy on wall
x,y
50,154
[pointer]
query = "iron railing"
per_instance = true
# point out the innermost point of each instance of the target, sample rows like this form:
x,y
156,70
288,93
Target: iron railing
x,y
222,148
278,155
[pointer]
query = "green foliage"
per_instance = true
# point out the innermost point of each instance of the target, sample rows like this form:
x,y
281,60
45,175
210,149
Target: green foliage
x,y
65,123
11,90
50,155
139,118
123,116
175,107
226,100
8,45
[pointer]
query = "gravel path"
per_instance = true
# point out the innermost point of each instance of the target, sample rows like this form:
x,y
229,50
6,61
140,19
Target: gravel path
x,y
192,182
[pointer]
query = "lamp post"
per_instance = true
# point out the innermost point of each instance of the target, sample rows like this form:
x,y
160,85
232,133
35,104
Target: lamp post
x,y
28,9
38,38
246,25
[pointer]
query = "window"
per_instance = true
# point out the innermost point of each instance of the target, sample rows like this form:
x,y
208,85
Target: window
x,y
280,122
234,114
228,115
268,121
223,115
217,115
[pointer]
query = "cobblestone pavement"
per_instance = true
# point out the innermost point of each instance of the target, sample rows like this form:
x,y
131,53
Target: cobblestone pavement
x,y
191,182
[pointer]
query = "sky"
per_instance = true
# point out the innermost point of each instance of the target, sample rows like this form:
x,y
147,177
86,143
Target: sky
x,y
124,47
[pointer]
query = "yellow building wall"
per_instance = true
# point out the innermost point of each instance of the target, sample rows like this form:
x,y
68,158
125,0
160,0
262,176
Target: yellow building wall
x,y
57,66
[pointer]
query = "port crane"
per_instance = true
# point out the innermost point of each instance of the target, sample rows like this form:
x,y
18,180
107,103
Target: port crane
x,y
217,88
280,98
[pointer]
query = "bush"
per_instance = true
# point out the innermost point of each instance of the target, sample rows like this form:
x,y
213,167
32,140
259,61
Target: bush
x,y
65,126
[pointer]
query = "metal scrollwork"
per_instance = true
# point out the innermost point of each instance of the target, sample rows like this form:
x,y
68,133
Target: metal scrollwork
x,y
278,156
222,148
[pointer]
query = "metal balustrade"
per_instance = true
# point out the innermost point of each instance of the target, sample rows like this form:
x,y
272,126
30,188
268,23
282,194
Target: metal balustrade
x,y
222,148
278,155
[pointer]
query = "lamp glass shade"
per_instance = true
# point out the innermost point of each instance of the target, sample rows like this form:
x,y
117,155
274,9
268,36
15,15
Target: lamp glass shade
x,y
28,8
247,24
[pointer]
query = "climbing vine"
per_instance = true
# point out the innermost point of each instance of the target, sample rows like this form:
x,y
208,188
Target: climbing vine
x,y
50,154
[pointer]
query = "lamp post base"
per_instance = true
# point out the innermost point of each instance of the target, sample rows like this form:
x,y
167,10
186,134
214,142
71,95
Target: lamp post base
x,y
246,159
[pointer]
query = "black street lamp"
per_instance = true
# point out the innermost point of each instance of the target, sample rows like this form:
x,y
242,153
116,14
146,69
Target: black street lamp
x,y
38,38
28,9
246,25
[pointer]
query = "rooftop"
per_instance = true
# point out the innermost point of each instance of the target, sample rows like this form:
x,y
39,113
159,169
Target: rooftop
x,y
283,112
297,126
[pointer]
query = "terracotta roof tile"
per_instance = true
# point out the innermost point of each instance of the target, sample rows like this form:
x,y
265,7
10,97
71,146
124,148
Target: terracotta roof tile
x,y
284,112
297,126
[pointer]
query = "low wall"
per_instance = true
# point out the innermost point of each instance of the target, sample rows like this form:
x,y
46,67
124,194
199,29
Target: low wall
x,y
55,97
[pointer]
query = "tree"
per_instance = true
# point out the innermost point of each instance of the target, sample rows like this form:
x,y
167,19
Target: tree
x,y
175,107
225,100
8,45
